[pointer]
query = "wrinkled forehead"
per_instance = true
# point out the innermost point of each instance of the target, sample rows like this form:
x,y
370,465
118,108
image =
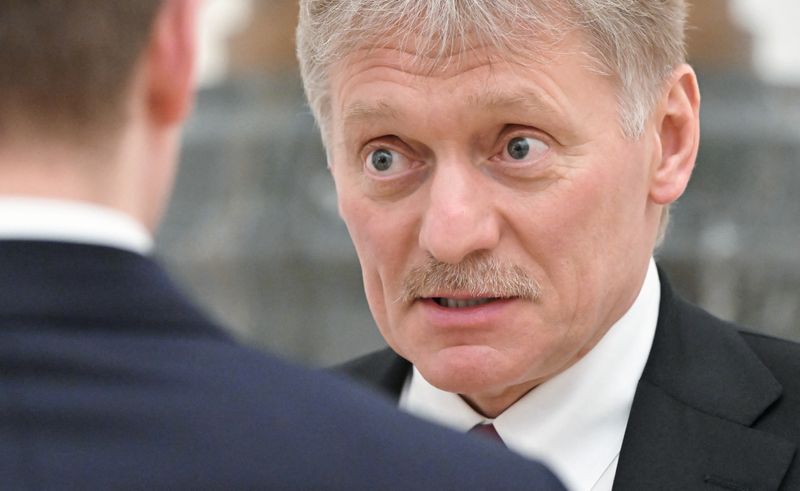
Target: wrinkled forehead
x,y
415,50
471,90
437,46
429,48
419,66
405,55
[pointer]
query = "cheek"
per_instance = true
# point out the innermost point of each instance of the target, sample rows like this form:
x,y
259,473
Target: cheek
x,y
595,241
367,241
372,234
567,231
596,207
385,235
384,240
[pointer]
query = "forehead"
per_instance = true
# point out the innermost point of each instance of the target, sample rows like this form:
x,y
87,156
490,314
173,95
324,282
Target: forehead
x,y
547,78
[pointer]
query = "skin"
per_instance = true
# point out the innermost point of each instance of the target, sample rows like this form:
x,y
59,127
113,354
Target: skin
x,y
579,213
129,168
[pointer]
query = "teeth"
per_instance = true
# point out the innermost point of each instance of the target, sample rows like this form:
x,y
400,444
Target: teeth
x,y
452,303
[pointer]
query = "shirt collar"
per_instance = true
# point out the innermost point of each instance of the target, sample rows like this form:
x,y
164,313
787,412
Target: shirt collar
x,y
575,421
23,218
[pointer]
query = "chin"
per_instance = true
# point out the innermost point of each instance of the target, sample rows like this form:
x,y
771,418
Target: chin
x,y
463,369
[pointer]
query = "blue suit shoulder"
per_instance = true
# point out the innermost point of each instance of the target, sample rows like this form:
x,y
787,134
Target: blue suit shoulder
x,y
98,411
111,379
305,429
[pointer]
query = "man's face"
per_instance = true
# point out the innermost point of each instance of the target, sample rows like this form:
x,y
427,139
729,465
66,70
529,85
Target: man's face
x,y
453,181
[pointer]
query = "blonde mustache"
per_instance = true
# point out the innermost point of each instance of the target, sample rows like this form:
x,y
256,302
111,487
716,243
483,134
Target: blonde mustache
x,y
481,276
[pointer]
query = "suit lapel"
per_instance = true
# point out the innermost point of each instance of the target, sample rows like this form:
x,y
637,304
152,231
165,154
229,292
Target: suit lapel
x,y
691,424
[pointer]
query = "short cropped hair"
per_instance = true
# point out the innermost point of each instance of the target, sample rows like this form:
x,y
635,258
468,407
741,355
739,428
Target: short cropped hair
x,y
66,64
637,42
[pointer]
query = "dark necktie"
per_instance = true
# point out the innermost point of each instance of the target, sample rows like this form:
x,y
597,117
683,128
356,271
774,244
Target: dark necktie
x,y
486,431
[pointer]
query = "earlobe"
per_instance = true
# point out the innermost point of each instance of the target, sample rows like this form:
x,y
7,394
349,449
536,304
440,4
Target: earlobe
x,y
679,136
170,62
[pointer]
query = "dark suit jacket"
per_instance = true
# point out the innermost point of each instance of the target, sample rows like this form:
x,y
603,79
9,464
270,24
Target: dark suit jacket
x,y
110,379
716,407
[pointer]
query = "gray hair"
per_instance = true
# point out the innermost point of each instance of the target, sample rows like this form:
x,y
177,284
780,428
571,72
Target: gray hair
x,y
638,42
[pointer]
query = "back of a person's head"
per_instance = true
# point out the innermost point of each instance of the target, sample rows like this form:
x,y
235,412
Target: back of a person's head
x,y
67,63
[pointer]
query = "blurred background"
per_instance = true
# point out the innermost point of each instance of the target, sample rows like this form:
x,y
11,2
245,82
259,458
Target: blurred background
x,y
253,229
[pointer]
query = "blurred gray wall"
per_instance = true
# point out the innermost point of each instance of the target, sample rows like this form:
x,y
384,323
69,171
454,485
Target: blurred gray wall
x,y
253,228
733,246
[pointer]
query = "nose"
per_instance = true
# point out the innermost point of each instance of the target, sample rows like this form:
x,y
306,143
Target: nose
x,y
459,219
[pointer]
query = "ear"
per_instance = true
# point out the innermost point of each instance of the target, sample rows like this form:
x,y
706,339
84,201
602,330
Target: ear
x,y
678,127
170,62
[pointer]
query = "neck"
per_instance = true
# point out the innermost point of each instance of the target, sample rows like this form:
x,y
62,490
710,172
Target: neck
x,y
122,172
491,405
54,169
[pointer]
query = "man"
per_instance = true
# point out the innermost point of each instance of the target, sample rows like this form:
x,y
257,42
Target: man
x,y
505,169
109,377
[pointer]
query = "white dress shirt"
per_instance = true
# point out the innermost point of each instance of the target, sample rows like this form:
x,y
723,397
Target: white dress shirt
x,y
25,218
575,421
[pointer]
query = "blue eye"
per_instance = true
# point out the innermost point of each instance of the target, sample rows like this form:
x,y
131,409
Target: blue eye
x,y
523,150
518,148
384,162
381,160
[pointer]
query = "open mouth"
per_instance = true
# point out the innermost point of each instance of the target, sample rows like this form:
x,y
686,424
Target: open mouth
x,y
453,303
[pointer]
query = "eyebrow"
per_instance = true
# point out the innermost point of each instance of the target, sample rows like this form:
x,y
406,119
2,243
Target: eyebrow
x,y
360,112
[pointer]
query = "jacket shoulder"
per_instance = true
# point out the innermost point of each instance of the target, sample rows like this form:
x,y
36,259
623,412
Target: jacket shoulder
x,y
773,348
781,357
384,371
